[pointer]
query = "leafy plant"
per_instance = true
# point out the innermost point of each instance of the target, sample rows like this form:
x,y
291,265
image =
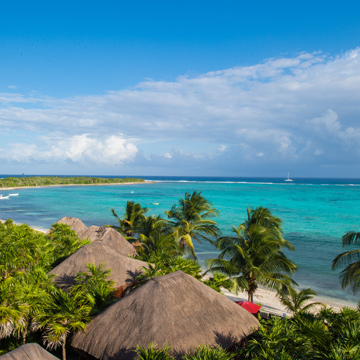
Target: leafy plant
x,y
209,353
153,353
190,219
350,276
219,280
254,256
297,301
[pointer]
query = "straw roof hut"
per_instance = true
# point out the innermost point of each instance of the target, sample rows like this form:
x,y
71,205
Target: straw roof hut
x,y
123,269
110,237
75,224
175,310
28,352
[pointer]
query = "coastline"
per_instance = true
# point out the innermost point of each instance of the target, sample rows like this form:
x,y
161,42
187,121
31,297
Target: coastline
x,y
270,302
267,298
65,185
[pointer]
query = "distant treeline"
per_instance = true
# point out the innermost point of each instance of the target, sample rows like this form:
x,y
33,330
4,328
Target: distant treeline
x,y
61,180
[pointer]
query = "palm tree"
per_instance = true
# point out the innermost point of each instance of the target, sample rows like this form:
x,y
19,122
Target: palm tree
x,y
134,214
156,238
66,313
93,285
32,292
350,276
191,219
11,312
254,256
296,301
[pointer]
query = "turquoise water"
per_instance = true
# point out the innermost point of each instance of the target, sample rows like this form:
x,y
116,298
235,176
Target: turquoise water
x,y
315,212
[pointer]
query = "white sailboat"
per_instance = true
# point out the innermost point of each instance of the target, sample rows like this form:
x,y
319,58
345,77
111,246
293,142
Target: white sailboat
x,y
288,178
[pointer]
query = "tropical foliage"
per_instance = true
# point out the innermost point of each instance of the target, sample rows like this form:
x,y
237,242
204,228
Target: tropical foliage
x,y
208,353
30,301
350,276
153,353
134,215
254,256
219,280
296,301
34,309
61,180
201,353
191,219
327,335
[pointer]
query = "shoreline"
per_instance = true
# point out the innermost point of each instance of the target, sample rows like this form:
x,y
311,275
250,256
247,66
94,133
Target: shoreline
x,y
65,185
270,302
267,298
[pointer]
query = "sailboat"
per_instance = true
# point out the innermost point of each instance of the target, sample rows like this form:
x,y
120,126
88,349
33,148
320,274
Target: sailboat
x,y
288,178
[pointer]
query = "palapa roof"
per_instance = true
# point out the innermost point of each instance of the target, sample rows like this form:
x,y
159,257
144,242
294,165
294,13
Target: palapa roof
x,y
109,237
175,310
75,224
123,269
29,352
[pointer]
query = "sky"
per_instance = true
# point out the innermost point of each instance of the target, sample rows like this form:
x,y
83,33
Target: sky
x,y
171,88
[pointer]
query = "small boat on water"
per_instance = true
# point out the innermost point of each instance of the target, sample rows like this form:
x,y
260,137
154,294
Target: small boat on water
x,y
3,197
288,178
13,195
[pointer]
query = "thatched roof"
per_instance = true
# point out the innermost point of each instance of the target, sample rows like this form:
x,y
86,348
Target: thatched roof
x,y
75,224
175,310
109,237
29,352
123,269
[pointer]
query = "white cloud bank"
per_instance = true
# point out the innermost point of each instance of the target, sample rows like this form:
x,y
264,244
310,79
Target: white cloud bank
x,y
113,150
301,110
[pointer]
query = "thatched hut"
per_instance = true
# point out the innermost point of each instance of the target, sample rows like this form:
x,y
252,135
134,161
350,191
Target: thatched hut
x,y
75,224
28,352
175,310
123,269
110,237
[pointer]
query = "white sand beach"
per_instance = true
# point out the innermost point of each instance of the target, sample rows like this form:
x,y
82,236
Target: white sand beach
x,y
270,302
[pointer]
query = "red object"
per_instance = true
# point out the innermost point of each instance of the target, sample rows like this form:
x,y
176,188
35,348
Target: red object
x,y
249,306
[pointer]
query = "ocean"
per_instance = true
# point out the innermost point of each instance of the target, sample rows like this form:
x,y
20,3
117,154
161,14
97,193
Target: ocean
x,y
315,213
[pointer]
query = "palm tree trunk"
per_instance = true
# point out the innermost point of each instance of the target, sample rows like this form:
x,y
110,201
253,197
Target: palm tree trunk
x,y
64,349
24,336
250,296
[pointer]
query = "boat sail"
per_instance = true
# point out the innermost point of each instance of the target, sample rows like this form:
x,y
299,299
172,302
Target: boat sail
x,y
288,178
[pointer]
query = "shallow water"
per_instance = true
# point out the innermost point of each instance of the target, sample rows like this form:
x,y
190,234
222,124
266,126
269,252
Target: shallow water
x,y
315,213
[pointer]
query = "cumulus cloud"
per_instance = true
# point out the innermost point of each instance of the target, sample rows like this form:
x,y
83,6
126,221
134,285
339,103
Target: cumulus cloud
x,y
113,150
297,109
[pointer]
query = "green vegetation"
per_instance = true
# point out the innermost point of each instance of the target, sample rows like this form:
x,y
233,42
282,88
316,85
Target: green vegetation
x,y
350,276
34,309
208,353
133,217
296,301
327,335
61,180
153,353
254,256
190,219
201,353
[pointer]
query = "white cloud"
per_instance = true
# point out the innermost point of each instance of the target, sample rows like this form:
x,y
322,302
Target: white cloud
x,y
113,150
291,108
328,121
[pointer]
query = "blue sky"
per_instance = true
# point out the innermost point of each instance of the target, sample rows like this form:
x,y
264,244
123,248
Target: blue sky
x,y
226,88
